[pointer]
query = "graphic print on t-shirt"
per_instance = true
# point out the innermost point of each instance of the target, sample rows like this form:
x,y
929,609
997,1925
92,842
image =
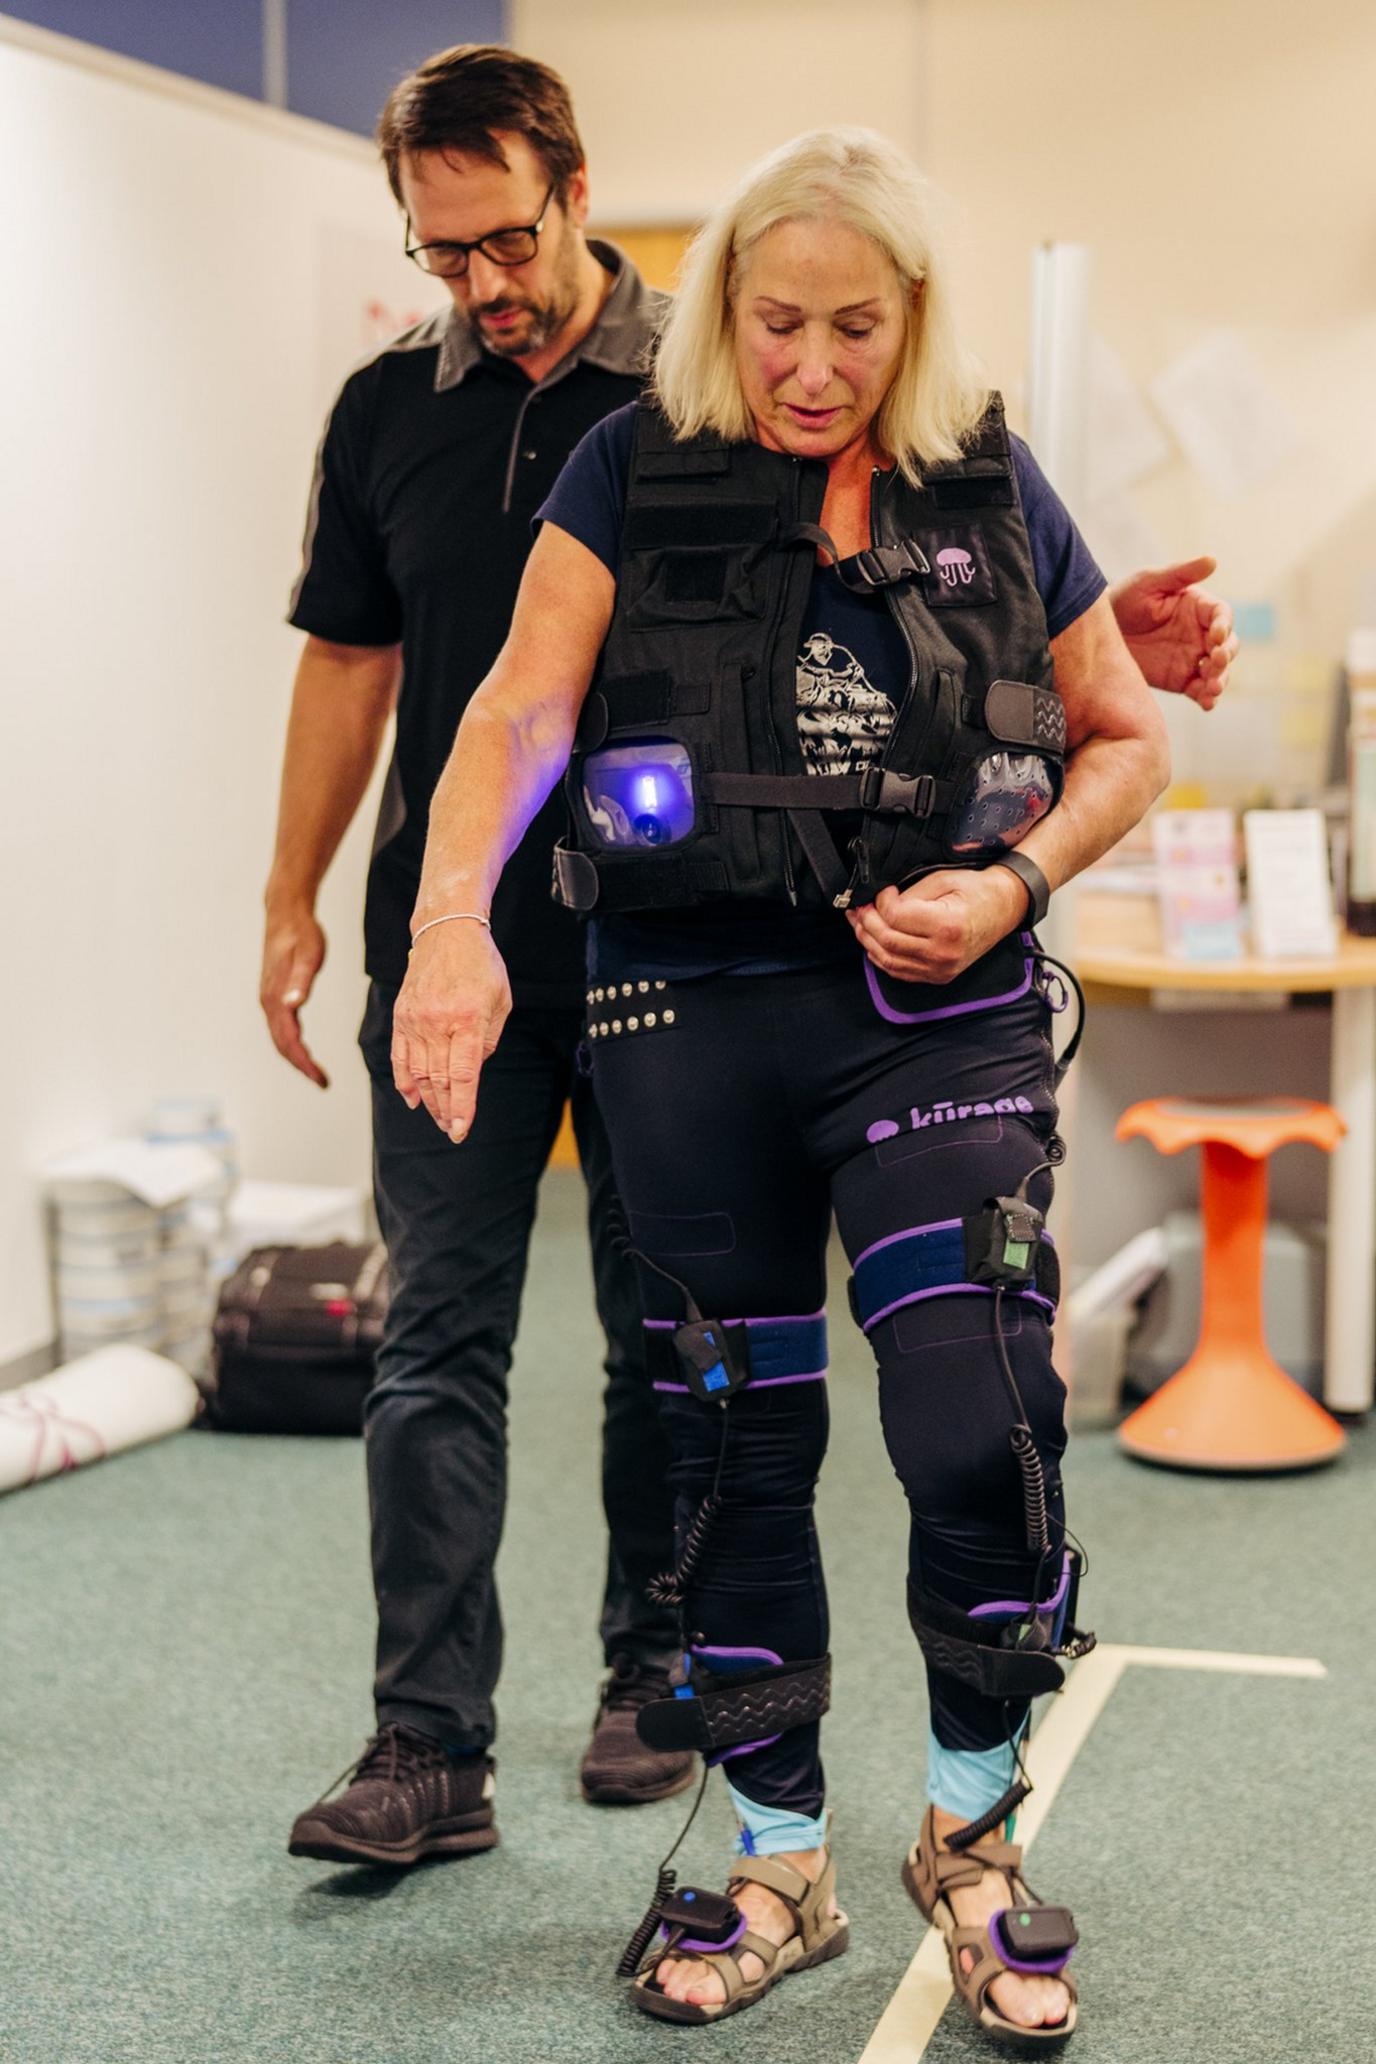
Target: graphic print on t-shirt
x,y
843,721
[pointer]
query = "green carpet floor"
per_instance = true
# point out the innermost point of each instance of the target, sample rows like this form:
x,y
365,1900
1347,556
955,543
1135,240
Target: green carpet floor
x,y
186,1637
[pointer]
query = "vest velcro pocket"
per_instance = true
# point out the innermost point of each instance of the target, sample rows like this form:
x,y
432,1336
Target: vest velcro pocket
x,y
1020,713
694,584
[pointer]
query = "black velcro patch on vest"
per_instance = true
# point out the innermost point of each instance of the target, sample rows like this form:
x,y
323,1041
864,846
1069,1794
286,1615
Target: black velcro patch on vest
x,y
696,576
700,463
654,526
973,491
652,698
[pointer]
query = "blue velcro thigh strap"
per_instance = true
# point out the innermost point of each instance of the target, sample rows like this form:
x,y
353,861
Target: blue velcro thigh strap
x,y
935,1260
770,1351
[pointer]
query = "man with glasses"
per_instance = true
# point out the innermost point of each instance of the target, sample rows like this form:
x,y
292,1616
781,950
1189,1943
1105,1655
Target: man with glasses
x,y
436,456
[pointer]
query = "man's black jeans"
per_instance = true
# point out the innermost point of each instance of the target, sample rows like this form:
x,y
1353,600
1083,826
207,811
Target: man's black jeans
x,y
457,1222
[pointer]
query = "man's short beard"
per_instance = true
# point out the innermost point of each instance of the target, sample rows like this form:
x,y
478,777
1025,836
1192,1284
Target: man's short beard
x,y
548,317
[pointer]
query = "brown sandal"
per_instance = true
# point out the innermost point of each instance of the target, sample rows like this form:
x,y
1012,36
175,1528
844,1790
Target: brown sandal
x,y
1028,1938
818,1936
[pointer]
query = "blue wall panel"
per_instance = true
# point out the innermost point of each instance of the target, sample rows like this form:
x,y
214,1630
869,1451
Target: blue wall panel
x,y
221,43
344,58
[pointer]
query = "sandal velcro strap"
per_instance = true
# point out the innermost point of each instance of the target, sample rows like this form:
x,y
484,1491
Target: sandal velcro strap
x,y
953,1868
769,1871
1035,1940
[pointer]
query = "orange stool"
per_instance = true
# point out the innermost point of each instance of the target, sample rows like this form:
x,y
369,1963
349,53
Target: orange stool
x,y
1232,1406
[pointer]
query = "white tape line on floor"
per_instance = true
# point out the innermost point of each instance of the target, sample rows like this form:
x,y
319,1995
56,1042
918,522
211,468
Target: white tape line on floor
x,y
906,2025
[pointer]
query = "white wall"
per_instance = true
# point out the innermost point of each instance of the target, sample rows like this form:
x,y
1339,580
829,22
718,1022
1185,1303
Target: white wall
x,y
186,279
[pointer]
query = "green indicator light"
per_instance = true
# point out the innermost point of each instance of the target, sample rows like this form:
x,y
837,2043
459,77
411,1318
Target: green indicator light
x,y
1024,1920
1015,1253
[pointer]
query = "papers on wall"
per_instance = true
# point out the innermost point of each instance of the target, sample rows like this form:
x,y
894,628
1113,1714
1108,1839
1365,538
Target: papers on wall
x,y
1197,884
1121,538
1289,891
1225,417
1125,440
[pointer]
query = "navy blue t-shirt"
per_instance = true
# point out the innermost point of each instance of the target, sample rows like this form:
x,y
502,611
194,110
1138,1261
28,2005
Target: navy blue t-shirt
x,y
852,672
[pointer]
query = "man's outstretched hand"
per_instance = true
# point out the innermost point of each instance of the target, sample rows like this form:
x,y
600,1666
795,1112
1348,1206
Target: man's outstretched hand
x,y
1180,635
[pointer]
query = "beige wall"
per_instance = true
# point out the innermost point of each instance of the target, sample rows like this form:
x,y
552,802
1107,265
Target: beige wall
x,y
1217,159
674,100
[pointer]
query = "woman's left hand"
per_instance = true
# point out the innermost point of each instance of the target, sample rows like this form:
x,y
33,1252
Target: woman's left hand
x,y
940,926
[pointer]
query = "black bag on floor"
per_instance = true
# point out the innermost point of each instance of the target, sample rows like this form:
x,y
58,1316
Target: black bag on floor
x,y
296,1332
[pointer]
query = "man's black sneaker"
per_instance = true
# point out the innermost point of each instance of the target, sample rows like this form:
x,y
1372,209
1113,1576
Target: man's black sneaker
x,y
618,1769
407,1797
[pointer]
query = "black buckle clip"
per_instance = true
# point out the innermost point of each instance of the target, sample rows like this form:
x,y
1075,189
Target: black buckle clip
x,y
911,794
883,566
708,1368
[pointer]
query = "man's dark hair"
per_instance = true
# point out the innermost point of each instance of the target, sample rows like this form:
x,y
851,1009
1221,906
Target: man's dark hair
x,y
457,99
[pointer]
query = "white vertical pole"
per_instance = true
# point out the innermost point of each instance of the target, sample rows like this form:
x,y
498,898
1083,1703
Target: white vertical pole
x,y
1350,1334
1058,369
275,52
1057,392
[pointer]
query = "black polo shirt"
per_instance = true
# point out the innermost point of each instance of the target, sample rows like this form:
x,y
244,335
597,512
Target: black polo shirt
x,y
435,458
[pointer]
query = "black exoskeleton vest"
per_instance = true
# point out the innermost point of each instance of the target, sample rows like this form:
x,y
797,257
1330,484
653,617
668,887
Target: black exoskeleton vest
x,y
717,553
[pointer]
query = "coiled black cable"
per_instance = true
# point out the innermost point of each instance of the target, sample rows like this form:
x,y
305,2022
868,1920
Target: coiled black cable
x,y
665,1882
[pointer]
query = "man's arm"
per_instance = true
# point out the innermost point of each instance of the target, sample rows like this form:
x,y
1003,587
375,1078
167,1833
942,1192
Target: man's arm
x,y
340,704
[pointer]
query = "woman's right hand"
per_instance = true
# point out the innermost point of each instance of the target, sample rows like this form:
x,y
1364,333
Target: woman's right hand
x,y
448,1018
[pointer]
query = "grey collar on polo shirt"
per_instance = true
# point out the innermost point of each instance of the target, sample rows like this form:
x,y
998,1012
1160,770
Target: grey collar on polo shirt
x,y
616,342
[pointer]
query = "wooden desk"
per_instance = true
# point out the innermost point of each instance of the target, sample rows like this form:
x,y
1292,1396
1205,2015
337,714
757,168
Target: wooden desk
x,y
1117,947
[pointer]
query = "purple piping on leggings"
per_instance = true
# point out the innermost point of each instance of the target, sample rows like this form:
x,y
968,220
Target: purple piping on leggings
x,y
762,1655
954,1290
713,1948
936,1225
1022,1605
1046,1967
952,1010
757,1382
784,1318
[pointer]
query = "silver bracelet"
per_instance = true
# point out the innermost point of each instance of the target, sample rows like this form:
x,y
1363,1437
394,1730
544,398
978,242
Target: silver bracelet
x,y
452,917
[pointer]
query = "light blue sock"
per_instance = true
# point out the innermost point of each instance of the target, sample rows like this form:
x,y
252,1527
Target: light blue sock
x,y
768,1830
968,1782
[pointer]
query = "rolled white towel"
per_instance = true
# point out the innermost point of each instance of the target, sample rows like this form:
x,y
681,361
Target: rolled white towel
x,y
116,1398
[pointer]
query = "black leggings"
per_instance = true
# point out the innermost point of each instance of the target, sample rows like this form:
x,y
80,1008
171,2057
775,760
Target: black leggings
x,y
742,1111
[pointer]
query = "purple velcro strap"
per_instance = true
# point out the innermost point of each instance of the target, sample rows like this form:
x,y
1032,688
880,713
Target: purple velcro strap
x,y
712,1948
1023,1605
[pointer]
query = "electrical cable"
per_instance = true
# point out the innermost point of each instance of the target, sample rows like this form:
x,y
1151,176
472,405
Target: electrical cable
x,y
665,1882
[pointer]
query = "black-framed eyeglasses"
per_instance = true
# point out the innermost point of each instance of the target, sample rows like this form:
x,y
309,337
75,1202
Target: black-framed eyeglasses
x,y
499,247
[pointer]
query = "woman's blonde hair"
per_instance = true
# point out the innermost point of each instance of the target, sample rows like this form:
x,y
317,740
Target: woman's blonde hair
x,y
843,175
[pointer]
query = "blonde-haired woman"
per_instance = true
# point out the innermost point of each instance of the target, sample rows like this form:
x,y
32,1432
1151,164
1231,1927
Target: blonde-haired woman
x,y
858,701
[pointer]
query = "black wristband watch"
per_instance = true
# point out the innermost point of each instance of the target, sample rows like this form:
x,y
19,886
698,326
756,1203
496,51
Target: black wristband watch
x,y
1033,880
